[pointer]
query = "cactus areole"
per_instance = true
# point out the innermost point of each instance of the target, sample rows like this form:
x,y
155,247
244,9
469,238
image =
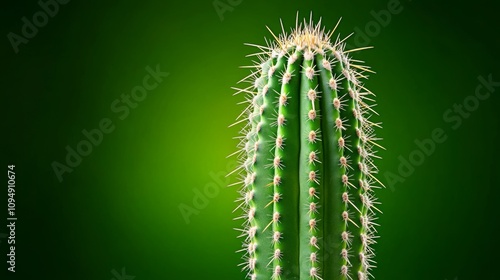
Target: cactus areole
x,y
307,161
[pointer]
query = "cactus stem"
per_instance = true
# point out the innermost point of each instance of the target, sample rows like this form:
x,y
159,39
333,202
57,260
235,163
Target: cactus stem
x,y
307,152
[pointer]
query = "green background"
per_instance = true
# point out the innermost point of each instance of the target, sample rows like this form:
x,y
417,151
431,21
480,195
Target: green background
x,y
120,207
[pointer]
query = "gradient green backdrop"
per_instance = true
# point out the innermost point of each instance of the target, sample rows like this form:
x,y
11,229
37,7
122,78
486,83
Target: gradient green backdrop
x,y
120,207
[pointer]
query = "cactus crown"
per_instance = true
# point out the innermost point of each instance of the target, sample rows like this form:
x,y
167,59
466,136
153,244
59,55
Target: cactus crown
x,y
307,161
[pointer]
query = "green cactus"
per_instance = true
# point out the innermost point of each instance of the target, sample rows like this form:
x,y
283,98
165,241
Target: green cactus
x,y
307,155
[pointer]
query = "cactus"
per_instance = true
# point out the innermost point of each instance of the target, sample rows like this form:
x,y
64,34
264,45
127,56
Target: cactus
x,y
307,161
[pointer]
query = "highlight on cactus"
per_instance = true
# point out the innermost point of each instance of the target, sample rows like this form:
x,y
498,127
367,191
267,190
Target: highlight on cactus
x,y
307,155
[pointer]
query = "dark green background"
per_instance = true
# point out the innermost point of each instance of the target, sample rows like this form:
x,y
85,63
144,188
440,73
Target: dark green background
x,y
120,206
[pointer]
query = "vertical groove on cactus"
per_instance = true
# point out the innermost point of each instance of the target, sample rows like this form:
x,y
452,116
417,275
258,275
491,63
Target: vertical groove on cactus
x,y
334,173
285,181
265,173
350,197
307,155
248,202
311,171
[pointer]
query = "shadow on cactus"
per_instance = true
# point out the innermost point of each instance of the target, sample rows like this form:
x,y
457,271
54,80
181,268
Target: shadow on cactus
x,y
307,153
